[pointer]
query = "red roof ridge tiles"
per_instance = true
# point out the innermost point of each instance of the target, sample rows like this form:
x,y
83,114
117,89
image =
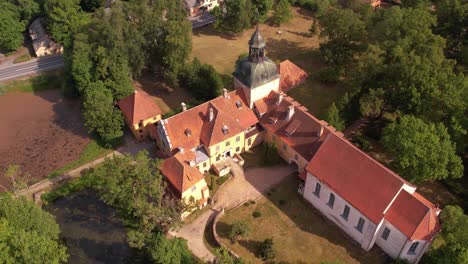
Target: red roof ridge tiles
x,y
138,106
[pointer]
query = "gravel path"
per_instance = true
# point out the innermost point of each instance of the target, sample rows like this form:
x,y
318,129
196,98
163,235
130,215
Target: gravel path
x,y
244,186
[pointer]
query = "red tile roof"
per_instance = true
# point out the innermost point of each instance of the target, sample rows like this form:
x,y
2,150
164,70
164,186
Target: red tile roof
x,y
301,132
290,75
138,106
414,216
226,112
362,181
180,174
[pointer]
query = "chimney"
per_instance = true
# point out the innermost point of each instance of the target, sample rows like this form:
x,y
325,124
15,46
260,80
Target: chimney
x,y
280,99
320,132
290,112
225,93
184,107
211,115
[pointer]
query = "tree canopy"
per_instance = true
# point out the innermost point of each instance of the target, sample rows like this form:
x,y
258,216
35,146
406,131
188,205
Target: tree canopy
x,y
28,234
422,151
282,12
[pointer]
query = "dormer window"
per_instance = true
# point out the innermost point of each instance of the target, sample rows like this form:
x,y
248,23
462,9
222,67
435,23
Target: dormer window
x,y
272,119
225,130
239,104
188,132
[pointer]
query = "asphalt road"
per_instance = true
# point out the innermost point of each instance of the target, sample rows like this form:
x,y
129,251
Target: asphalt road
x,y
27,68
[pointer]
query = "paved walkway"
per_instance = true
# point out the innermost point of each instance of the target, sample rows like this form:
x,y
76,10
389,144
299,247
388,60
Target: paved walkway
x,y
243,187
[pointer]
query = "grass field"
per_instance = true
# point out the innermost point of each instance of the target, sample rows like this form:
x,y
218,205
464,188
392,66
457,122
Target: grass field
x,y
293,43
300,233
45,81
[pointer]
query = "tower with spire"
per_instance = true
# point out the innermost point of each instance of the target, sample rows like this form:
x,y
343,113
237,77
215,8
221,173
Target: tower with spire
x,y
256,74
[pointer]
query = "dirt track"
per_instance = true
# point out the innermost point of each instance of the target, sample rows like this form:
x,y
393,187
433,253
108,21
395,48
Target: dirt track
x,y
41,132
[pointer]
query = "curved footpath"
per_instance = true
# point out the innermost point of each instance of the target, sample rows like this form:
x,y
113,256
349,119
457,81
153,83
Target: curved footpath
x,y
243,187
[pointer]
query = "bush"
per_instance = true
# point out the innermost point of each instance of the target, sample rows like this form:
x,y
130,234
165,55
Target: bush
x,y
266,250
239,228
256,214
330,74
252,202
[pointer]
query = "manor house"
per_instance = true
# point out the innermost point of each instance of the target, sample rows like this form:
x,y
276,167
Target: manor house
x,y
368,201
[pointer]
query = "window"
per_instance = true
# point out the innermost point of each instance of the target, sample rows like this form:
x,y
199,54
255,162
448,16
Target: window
x,y
360,224
331,200
412,249
228,143
284,146
237,138
249,142
194,188
345,213
317,189
385,233
218,157
140,124
217,148
204,164
237,149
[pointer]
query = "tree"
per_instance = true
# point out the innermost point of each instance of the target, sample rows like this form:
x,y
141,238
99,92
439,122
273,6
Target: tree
x,y
100,113
282,12
135,187
224,257
202,80
372,103
11,28
238,16
239,228
423,151
454,238
169,251
334,118
266,249
261,8
28,234
19,180
345,32
64,17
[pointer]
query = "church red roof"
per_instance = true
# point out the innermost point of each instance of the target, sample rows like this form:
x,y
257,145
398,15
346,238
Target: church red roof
x,y
290,75
414,216
362,181
138,106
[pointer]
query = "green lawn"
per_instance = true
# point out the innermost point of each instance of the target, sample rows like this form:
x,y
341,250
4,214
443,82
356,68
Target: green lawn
x,y
22,58
46,81
91,152
300,233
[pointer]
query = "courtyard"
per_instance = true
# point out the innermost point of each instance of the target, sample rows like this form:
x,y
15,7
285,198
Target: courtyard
x,y
300,233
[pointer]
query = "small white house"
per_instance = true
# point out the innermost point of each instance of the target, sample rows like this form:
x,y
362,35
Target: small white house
x,y
197,7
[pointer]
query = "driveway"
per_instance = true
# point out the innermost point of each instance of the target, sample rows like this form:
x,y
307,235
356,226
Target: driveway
x,y
244,186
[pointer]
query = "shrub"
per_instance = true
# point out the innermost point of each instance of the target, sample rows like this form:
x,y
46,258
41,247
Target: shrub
x,y
252,202
246,204
266,250
256,214
239,228
330,74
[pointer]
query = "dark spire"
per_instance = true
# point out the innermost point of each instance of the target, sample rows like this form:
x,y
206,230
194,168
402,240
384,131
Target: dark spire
x,y
257,47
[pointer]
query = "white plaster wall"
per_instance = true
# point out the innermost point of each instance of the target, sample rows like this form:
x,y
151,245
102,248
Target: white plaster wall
x,y
264,90
395,241
334,214
413,258
254,94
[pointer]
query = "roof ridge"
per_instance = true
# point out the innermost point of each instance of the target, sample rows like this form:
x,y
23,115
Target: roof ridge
x,y
370,158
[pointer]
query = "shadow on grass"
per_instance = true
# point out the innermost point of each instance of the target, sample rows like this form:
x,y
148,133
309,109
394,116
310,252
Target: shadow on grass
x,y
251,245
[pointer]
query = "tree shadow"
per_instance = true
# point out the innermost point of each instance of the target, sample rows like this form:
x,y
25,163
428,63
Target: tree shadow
x,y
209,30
251,245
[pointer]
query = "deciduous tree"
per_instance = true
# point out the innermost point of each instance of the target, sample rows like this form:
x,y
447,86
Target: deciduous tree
x,y
334,118
282,12
423,151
